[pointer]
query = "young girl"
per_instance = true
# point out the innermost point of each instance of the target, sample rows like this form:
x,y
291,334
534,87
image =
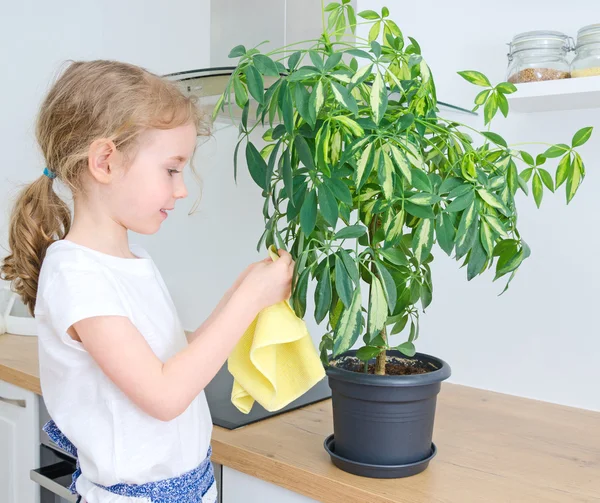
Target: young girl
x,y
119,378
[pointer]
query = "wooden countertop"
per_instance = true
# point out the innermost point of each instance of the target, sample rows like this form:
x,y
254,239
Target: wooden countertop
x,y
492,448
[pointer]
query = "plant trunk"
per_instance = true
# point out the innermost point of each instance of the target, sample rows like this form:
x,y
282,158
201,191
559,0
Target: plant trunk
x,y
380,362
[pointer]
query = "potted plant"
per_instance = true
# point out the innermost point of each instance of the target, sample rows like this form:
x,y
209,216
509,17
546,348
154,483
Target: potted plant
x,y
361,176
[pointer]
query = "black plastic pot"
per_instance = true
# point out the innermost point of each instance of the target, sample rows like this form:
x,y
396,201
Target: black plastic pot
x,y
383,425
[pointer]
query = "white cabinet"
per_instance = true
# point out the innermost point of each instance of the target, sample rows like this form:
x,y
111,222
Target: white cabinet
x,y
238,486
19,444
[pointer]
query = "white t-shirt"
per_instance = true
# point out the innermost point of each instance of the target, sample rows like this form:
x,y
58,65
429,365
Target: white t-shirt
x,y
116,441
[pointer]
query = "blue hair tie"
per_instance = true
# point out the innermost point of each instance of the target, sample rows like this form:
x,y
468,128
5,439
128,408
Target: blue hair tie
x,y
49,174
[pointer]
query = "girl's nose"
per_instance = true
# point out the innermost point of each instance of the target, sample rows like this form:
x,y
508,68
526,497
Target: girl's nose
x,y
180,190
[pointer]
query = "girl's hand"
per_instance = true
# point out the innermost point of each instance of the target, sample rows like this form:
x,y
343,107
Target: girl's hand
x,y
266,283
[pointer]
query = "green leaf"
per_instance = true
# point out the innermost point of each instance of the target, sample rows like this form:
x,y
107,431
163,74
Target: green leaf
x,y
255,83
349,326
493,200
332,61
378,307
241,95
364,167
308,213
502,104
496,138
340,191
323,296
547,179
394,255
562,172
327,204
265,65
378,98
304,152
300,293
527,158
316,59
343,283
474,77
402,162
508,261
256,166
368,14
352,231
418,211
538,190
467,231
366,353
556,150
293,60
420,180
477,260
482,96
302,98
407,348
581,136
423,240
306,72
444,231
344,97
350,265
237,51
461,202
526,174
288,180
287,108
496,224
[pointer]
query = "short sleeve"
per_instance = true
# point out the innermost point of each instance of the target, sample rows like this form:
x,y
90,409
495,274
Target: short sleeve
x,y
74,294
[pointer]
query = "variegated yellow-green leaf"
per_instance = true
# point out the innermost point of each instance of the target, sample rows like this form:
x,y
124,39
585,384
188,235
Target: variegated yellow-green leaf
x,y
414,156
394,229
317,98
496,225
362,165
351,125
487,239
401,162
465,234
349,326
361,74
423,240
387,178
574,178
374,31
378,307
492,200
425,73
378,98
562,172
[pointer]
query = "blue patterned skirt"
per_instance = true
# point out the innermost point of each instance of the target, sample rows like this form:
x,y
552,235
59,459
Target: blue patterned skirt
x,y
189,487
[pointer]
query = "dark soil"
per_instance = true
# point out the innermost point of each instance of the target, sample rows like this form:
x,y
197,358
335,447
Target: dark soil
x,y
393,366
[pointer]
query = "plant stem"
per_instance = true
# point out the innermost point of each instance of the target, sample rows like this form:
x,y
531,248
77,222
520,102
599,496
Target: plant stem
x,y
380,363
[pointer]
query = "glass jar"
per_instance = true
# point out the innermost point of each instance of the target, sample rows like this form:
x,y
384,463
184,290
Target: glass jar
x,y
587,52
539,55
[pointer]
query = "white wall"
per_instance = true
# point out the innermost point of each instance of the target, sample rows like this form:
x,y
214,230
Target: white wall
x,y
541,338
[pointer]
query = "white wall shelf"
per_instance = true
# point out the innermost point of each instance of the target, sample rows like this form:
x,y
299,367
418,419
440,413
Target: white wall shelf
x,y
551,95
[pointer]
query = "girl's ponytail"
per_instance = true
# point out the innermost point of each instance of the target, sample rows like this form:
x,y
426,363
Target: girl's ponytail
x,y
39,217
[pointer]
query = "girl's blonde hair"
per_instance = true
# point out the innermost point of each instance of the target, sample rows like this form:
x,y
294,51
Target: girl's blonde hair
x,y
90,100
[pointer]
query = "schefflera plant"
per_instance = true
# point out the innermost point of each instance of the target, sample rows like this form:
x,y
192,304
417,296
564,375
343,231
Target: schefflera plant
x,y
361,176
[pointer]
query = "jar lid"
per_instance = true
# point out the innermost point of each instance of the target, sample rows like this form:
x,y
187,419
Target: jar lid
x,y
588,35
540,39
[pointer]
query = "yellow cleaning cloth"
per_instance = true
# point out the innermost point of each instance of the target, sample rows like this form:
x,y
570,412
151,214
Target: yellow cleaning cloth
x,y
275,361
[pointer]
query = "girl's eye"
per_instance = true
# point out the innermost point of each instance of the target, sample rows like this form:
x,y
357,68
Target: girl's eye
x,y
171,171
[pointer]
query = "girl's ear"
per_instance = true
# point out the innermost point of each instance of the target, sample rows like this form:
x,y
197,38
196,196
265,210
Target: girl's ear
x,y
104,160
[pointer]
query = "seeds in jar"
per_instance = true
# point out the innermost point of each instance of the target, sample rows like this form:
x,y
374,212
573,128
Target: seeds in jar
x,y
537,74
586,72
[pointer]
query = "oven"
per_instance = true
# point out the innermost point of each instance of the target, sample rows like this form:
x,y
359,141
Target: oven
x,y
56,467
